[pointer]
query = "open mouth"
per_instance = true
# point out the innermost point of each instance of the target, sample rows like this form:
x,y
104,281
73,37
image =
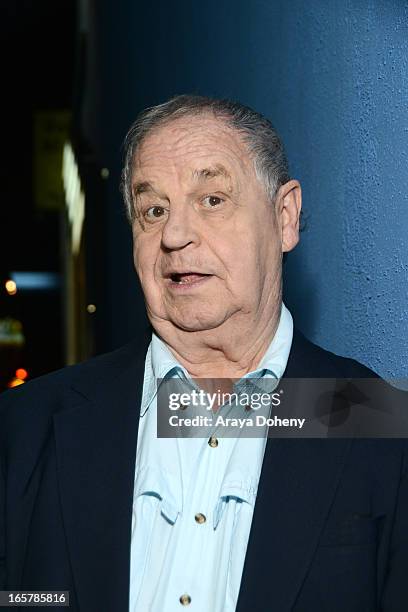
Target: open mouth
x,y
187,278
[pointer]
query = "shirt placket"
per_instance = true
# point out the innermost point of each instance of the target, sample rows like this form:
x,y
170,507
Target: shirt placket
x,y
191,581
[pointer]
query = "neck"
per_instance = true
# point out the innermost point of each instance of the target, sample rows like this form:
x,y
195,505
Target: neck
x,y
229,351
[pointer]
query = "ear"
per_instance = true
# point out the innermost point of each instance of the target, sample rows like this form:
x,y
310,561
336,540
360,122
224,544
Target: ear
x,y
288,207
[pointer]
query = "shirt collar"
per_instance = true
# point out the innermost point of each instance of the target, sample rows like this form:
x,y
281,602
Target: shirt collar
x,y
276,357
160,365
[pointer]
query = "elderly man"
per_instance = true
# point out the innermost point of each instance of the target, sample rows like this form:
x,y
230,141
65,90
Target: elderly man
x,y
95,503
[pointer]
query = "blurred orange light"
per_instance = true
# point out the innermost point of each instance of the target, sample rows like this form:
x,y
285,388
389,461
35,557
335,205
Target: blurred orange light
x,y
21,373
15,382
11,287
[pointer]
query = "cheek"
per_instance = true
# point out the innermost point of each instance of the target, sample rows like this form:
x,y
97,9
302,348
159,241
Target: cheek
x,y
239,262
257,255
137,258
144,258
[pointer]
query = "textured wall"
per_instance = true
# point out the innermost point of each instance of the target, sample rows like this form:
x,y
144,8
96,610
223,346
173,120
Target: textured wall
x,y
332,76
351,154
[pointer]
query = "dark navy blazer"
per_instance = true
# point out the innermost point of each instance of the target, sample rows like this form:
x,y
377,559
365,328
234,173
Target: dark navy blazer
x,y
330,526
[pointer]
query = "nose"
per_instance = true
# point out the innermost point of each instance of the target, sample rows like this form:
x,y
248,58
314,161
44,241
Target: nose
x,y
180,229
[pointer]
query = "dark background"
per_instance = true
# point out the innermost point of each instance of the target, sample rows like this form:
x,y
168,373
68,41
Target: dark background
x,y
38,48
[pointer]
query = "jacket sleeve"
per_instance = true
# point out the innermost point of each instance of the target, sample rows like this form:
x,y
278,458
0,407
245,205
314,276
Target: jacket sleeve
x,y
6,400
2,501
395,594
2,528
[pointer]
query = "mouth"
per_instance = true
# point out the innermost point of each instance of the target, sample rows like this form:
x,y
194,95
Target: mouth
x,y
186,279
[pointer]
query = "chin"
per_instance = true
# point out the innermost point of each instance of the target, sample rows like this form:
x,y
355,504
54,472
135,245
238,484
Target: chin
x,y
196,321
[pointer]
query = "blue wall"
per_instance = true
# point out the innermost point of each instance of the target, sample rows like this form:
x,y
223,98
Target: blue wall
x,y
332,76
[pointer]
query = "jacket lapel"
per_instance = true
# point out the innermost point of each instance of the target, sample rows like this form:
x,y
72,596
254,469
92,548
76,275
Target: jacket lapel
x,y
297,486
96,440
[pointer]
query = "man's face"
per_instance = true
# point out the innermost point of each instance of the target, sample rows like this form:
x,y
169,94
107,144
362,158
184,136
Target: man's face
x,y
207,241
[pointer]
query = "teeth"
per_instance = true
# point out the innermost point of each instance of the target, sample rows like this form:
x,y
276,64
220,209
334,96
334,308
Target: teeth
x,y
184,281
185,278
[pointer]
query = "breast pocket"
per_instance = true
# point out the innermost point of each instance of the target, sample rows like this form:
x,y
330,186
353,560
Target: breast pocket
x,y
355,530
342,575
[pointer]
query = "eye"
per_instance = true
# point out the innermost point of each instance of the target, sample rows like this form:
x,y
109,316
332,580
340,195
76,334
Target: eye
x,y
212,201
154,212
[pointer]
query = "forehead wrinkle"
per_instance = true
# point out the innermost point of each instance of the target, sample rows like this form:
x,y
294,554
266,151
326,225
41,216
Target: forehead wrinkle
x,y
181,144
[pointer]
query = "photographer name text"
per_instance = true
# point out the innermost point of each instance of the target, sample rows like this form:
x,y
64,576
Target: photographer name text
x,y
221,421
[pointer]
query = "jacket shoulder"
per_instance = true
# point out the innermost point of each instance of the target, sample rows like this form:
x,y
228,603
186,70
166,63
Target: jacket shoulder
x,y
34,403
53,382
307,359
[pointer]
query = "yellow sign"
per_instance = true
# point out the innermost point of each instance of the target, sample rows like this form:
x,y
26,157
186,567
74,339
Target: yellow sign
x,y
74,196
51,129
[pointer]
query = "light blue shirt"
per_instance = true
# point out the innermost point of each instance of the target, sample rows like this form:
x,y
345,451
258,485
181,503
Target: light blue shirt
x,y
193,503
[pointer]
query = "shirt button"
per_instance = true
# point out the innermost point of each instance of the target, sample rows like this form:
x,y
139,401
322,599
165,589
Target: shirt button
x,y
213,442
200,518
185,600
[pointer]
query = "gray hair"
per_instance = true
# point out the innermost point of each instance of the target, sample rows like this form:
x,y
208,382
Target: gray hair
x,y
264,145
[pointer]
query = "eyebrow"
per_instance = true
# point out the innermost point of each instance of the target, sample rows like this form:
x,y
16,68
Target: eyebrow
x,y
211,172
141,187
201,175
